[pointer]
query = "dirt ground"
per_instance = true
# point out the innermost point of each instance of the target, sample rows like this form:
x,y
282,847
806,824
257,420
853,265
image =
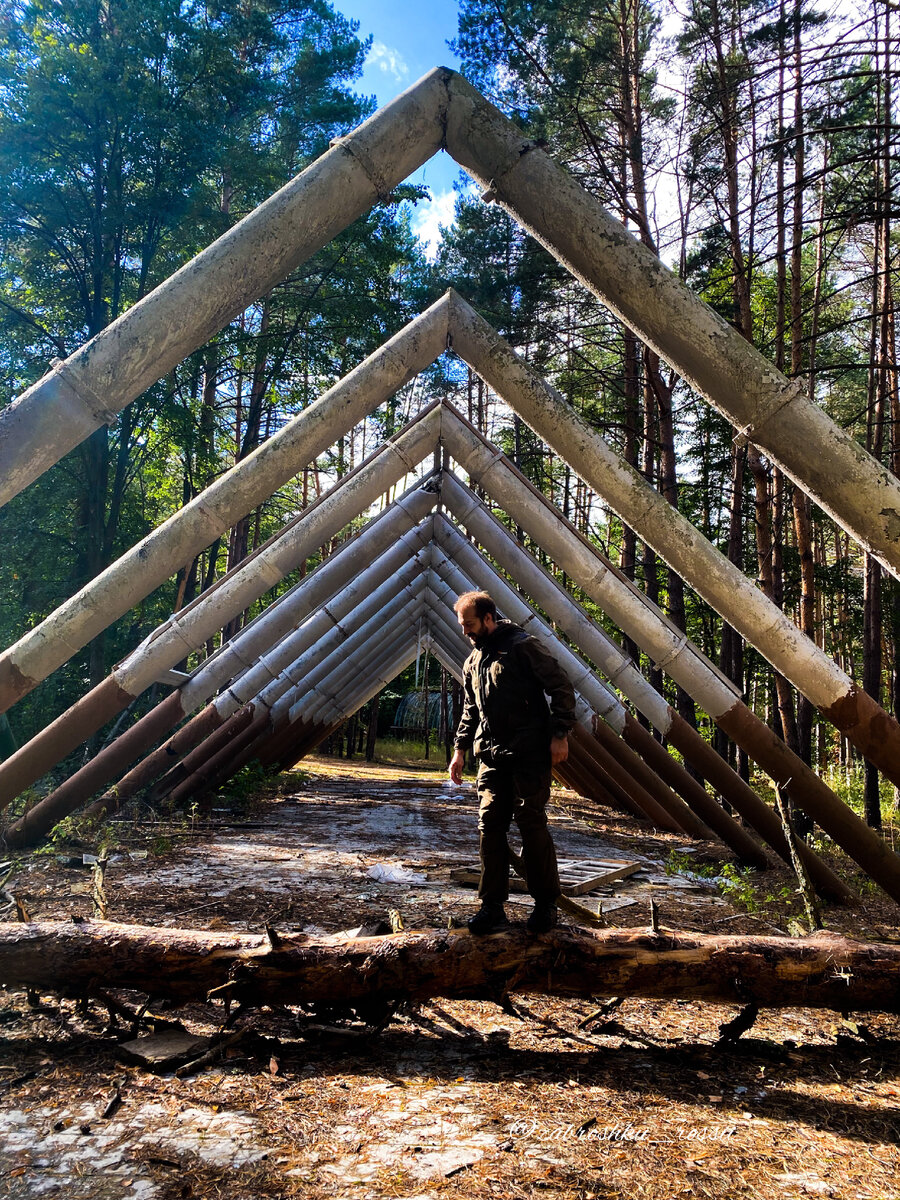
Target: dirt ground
x,y
588,1099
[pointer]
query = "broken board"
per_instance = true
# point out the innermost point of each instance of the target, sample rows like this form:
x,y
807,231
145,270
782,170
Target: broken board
x,y
576,876
163,1051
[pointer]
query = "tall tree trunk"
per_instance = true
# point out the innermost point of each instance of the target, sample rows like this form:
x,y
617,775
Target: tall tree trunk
x,y
804,536
763,511
648,558
372,730
801,505
883,382
426,699
631,416
809,618
732,652
248,438
95,458
631,17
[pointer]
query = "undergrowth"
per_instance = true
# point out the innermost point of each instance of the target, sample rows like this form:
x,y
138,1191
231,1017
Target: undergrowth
x,y
849,786
743,887
394,752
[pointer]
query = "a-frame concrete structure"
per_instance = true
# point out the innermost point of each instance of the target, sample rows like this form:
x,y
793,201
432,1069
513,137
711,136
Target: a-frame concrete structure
x,y
281,644
443,111
290,681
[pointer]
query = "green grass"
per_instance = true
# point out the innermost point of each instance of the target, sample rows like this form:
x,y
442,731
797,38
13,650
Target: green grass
x,y
394,752
850,787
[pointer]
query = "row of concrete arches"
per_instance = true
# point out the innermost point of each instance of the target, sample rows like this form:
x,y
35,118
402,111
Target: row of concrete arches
x,y
443,111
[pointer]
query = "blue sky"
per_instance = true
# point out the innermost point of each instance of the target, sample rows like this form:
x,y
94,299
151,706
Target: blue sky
x,y
410,37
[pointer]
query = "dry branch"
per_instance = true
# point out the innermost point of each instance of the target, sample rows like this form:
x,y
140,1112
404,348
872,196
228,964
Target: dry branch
x,y
76,959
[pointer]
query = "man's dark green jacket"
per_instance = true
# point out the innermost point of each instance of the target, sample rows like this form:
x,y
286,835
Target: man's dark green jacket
x,y
506,713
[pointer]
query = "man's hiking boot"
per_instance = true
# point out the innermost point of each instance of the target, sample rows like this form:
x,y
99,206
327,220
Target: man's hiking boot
x,y
543,917
489,919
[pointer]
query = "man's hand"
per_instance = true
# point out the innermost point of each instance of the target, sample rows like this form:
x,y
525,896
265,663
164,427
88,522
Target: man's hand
x,y
457,762
559,750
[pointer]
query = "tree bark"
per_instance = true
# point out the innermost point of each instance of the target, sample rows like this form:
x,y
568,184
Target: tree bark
x,y
764,545
825,971
731,658
372,728
630,454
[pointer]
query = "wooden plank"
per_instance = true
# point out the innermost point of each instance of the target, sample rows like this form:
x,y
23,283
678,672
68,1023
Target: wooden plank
x,y
576,876
603,905
611,903
589,876
163,1051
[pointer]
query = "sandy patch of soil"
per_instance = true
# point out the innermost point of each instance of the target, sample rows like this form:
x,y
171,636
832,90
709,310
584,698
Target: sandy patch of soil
x,y
550,1098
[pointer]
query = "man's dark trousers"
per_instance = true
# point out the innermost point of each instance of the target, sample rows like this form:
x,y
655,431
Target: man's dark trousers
x,y
515,789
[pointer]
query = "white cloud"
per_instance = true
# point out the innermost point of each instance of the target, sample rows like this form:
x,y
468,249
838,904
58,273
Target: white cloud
x,y
428,215
388,60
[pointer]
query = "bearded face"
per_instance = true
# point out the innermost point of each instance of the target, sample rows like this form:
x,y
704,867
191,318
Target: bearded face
x,y
476,629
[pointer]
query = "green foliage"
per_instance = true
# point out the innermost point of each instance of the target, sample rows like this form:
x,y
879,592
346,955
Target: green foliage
x,y
504,273
78,831
738,885
743,887
849,786
558,70
242,791
131,135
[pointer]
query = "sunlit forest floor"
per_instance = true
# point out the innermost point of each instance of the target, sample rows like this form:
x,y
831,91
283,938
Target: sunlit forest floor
x,y
546,1097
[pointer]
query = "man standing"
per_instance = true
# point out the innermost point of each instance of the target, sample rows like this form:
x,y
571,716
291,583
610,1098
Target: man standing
x,y
517,738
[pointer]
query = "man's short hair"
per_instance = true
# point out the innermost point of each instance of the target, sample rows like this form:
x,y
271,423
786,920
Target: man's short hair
x,y
482,603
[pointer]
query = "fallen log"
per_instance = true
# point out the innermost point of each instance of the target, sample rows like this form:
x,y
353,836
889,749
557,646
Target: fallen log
x,y
84,957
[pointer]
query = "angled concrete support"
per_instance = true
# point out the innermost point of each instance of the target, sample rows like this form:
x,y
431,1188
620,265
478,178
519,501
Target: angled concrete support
x,y
298,739
269,753
106,374
349,661
206,772
637,789
181,634
288,664
286,747
326,651
202,763
589,784
618,770
350,676
586,783
311,703
159,555
280,754
595,779
580,772
229,716
442,109
767,408
659,803
654,797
